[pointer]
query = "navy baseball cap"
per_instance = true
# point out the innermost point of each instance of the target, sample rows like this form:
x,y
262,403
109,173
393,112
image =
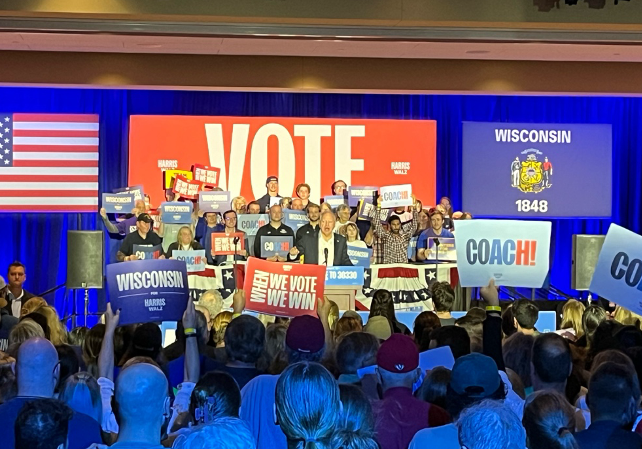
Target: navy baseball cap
x,y
271,178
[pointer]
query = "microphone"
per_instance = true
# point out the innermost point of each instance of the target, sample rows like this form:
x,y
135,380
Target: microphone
x,y
325,253
436,241
236,240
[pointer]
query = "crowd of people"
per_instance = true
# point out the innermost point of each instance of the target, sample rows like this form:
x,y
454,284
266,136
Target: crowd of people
x,y
401,238
233,380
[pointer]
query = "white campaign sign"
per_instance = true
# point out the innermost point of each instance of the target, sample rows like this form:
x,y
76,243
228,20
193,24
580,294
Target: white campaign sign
x,y
515,253
618,273
396,196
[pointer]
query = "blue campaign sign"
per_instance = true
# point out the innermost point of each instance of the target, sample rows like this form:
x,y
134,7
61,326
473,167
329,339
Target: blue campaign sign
x,y
618,273
214,201
356,193
352,276
295,218
412,248
359,256
176,212
536,170
146,252
334,200
118,203
137,191
250,223
194,259
272,245
148,290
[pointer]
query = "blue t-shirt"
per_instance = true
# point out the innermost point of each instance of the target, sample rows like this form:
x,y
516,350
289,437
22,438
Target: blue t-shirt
x,y
83,430
429,233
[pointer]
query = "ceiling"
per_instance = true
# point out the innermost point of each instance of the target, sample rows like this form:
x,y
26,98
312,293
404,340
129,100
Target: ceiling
x,y
328,47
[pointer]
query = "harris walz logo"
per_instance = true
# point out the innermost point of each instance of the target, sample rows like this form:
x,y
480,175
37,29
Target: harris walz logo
x,y
531,174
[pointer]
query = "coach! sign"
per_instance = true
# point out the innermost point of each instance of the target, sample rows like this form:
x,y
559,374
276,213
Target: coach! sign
x,y
315,151
283,289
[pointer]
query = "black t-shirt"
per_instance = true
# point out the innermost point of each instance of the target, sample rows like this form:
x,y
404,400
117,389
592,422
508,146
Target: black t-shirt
x,y
7,322
134,238
268,229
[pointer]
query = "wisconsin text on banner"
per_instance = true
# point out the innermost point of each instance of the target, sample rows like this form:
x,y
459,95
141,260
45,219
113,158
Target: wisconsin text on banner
x,y
283,289
48,162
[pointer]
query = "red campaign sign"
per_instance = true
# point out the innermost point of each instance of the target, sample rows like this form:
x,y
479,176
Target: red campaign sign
x,y
186,188
155,214
223,244
206,175
283,289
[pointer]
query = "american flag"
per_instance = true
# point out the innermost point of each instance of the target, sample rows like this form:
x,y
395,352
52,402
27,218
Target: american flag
x,y
48,162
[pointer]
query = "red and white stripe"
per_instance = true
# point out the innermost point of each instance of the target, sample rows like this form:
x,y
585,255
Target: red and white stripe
x,y
55,164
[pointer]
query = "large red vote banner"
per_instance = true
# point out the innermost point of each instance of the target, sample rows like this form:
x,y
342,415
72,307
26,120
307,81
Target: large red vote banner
x,y
315,151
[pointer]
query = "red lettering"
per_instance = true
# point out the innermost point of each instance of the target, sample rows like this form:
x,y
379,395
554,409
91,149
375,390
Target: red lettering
x,y
533,249
522,252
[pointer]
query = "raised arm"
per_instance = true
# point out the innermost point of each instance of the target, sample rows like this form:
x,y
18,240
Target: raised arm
x,y
492,326
192,360
323,310
111,227
375,220
106,356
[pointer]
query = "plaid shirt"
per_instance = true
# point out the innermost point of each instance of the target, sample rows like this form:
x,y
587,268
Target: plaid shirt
x,y
395,245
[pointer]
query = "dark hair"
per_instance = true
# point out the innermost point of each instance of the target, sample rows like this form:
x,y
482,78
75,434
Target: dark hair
x,y
303,184
216,395
591,318
16,264
526,313
549,421
518,352
77,335
42,424
477,312
551,358
443,296
345,325
434,387
508,321
393,218
244,339
382,305
40,320
69,363
253,202
91,348
147,342
613,393
201,326
356,350
355,428
424,324
474,326
456,402
229,211
335,183
455,337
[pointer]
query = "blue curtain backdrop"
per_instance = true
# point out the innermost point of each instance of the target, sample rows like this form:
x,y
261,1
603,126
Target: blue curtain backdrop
x,y
39,240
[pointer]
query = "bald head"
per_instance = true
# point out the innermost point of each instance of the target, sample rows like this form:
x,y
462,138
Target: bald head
x,y
37,368
141,390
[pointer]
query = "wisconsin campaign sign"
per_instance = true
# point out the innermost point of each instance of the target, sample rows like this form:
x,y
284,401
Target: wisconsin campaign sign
x,y
295,218
536,169
366,207
396,196
250,223
176,212
148,290
334,200
194,259
118,203
514,253
359,256
283,289
356,193
213,201
271,246
618,273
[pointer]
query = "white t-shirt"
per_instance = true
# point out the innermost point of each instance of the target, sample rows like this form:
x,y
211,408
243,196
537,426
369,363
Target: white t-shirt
x,y
323,245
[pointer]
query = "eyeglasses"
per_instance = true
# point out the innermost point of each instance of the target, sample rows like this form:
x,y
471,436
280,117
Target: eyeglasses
x,y
230,219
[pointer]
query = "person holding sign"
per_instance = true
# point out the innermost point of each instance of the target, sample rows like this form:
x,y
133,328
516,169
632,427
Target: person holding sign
x,y
204,233
266,201
275,229
327,248
312,227
143,237
231,228
436,230
127,225
395,240
184,242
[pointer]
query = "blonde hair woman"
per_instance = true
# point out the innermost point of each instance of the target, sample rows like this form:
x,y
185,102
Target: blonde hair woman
x,y
625,316
220,325
57,332
351,233
31,305
572,319
184,242
239,205
22,332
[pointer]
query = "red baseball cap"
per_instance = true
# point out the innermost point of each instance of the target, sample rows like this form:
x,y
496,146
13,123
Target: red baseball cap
x,y
398,354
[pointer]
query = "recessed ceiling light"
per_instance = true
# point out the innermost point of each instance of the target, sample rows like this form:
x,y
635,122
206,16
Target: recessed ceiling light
x,y
477,52
150,45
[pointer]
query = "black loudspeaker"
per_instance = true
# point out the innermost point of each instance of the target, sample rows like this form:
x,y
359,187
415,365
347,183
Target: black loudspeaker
x,y
85,259
586,250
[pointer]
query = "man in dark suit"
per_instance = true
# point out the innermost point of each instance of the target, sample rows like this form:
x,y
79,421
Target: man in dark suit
x,y
324,247
15,296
